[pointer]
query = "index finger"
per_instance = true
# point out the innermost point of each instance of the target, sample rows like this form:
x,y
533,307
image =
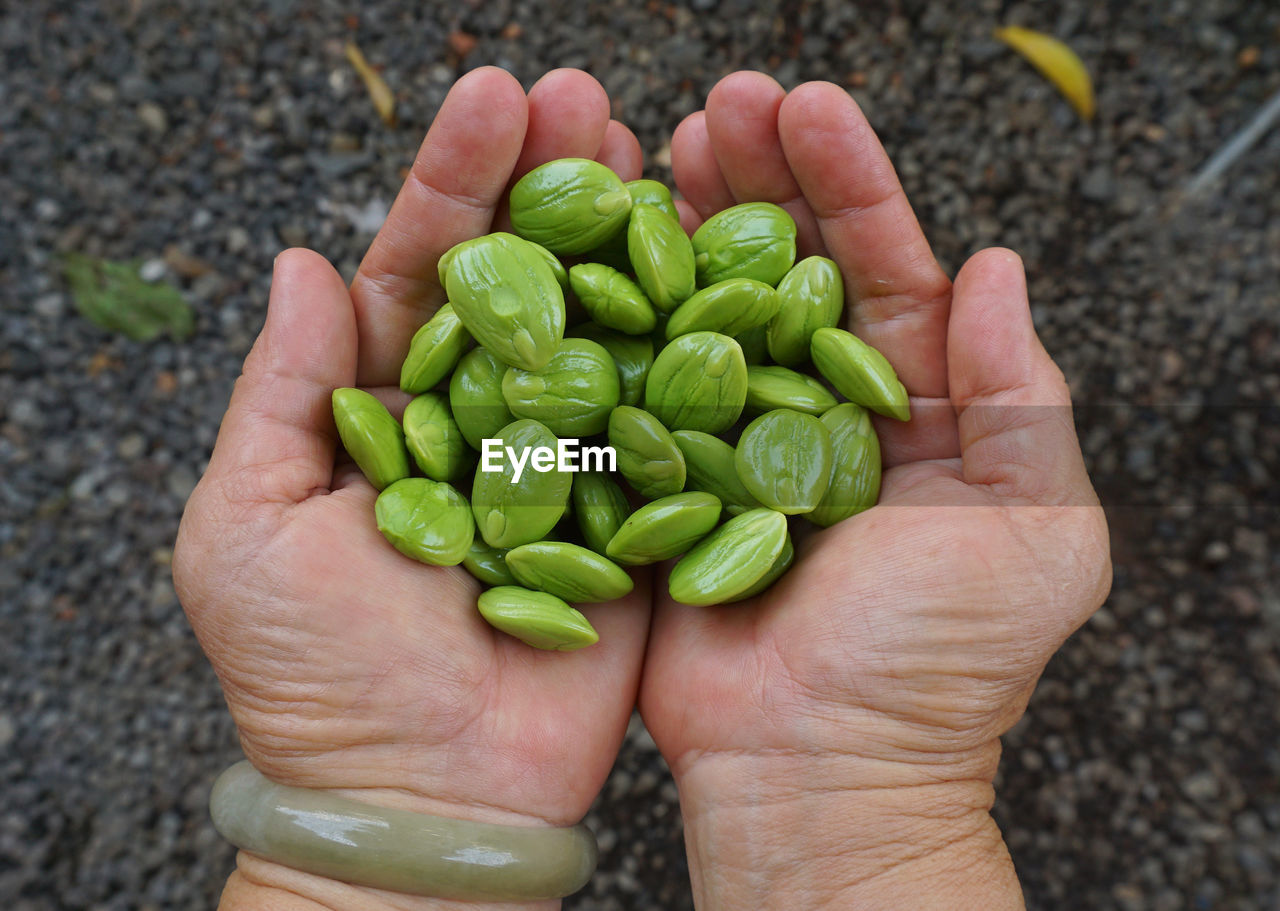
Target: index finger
x,y
900,297
450,195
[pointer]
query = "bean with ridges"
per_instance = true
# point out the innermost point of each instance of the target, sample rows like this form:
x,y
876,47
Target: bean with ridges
x,y
859,372
709,467
475,396
426,520
632,356
697,382
731,307
569,205
568,571
434,351
781,387
371,436
661,255
600,507
536,618
434,438
664,528
572,394
750,240
730,560
784,458
508,298
508,512
855,465
810,297
487,564
648,457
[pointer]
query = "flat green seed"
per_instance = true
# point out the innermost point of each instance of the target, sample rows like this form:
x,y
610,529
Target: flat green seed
x,y
730,560
859,372
632,356
434,439
613,252
444,262
600,507
536,618
577,575
611,299
709,466
426,520
548,256
475,396
508,298
661,255
569,205
697,382
647,456
664,528
371,436
487,564
755,345
780,387
811,297
731,307
572,394
776,571
855,465
752,240
434,351
784,459
557,267
512,512
653,193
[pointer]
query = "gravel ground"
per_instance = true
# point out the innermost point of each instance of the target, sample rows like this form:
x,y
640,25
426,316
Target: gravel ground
x,y
203,137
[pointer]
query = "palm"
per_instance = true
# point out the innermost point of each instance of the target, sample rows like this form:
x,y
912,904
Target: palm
x,y
386,665
923,622
346,664
866,624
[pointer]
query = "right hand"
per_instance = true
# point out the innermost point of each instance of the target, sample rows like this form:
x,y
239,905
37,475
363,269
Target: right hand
x,y
834,739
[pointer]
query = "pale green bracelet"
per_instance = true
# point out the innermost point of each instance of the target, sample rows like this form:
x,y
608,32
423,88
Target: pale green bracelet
x,y
343,839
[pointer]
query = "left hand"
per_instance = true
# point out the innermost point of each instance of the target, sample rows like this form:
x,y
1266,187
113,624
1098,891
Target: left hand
x,y
345,664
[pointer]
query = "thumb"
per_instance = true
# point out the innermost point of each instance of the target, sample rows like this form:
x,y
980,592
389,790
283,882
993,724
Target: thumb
x,y
1012,403
277,441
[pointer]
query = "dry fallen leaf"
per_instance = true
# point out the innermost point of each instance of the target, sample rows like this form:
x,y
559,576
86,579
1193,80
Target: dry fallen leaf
x,y
1056,62
384,102
462,43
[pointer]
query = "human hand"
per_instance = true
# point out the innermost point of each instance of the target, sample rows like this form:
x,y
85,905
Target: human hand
x,y
834,739
345,664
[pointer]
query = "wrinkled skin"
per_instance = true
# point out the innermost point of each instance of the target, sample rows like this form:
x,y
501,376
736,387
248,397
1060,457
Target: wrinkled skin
x,y
345,664
874,679
905,640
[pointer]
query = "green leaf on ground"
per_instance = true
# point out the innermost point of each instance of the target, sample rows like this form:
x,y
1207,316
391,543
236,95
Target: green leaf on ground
x,y
115,296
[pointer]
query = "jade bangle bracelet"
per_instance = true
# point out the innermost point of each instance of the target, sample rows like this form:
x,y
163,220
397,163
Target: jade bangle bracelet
x,y
319,832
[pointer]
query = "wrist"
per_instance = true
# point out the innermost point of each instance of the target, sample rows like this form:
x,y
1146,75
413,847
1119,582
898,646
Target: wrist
x,y
816,830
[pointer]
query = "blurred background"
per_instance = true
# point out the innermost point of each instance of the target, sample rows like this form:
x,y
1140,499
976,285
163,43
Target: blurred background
x,y
162,153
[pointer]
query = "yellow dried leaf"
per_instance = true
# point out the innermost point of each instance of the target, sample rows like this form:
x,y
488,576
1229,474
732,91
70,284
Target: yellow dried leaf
x,y
1056,62
384,102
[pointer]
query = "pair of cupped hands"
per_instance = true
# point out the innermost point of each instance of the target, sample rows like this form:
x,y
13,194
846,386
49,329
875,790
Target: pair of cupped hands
x,y
837,735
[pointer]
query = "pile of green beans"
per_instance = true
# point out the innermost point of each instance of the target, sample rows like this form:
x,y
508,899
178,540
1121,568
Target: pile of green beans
x,y
712,365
